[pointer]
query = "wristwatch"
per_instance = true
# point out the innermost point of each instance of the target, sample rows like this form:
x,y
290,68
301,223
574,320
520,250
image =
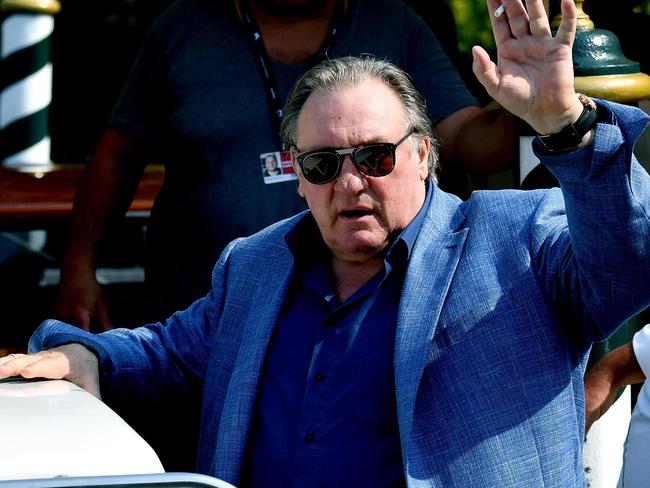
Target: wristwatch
x,y
571,135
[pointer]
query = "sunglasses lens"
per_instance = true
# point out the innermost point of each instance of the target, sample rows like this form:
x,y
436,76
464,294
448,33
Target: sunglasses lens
x,y
375,160
320,167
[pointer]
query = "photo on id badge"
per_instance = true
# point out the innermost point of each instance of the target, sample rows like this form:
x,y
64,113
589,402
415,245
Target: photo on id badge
x,y
276,167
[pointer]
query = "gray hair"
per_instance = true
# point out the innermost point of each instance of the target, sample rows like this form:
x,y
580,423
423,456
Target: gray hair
x,y
351,71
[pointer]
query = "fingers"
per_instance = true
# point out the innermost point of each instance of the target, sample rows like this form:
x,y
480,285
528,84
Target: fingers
x,y
518,20
567,30
514,21
11,365
46,364
500,25
538,18
5,368
55,364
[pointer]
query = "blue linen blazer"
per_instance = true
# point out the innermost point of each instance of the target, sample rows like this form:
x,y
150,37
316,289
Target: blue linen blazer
x,y
502,298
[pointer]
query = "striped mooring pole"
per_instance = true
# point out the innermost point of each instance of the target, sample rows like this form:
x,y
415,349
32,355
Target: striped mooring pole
x,y
26,82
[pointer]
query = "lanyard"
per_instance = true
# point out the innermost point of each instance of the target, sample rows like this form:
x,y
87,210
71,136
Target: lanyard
x,y
264,63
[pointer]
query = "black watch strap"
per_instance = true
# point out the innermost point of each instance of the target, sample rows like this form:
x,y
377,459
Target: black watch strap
x,y
571,135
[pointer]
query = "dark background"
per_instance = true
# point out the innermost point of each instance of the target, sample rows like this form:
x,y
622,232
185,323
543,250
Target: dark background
x,y
95,42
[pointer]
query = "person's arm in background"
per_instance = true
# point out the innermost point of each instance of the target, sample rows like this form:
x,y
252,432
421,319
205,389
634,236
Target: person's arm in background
x,y
107,187
482,140
110,181
488,134
626,365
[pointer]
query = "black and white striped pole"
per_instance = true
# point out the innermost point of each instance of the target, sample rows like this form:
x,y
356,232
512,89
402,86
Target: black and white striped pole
x,y
26,82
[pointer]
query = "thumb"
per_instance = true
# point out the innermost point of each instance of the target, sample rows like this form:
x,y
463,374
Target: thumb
x,y
485,70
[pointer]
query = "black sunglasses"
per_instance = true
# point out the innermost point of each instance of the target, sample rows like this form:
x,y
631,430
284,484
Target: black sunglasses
x,y
324,165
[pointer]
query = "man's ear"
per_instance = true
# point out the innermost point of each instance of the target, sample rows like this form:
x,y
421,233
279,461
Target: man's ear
x,y
423,157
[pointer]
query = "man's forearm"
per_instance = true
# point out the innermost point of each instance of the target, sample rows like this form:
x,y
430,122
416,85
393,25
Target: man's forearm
x,y
616,370
623,367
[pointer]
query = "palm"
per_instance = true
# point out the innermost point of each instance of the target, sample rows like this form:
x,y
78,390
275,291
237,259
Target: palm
x,y
531,75
534,75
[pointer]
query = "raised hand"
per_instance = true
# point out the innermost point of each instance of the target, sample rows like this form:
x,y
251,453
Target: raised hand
x,y
533,77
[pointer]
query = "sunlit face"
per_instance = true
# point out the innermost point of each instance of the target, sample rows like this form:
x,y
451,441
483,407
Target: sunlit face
x,y
357,214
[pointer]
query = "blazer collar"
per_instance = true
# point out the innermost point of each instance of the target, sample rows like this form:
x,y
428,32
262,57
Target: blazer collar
x,y
431,268
237,415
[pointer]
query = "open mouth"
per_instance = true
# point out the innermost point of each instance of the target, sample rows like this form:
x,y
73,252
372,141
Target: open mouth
x,y
356,213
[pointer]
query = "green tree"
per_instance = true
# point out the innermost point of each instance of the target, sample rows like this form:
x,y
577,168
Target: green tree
x,y
473,22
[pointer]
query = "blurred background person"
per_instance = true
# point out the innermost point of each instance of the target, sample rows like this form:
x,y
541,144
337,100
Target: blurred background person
x,y
198,90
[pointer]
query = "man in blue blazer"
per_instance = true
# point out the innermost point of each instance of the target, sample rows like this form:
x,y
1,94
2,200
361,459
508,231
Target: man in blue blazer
x,y
394,335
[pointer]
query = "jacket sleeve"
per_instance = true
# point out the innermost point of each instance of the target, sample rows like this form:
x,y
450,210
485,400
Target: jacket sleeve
x,y
599,265
144,362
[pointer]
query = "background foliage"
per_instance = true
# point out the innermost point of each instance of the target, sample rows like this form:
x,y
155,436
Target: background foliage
x,y
473,24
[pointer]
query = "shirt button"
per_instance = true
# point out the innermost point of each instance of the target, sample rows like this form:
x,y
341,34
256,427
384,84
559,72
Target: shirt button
x,y
309,437
319,377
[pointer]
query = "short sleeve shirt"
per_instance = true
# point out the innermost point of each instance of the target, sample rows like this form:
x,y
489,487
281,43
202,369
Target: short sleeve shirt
x,y
195,96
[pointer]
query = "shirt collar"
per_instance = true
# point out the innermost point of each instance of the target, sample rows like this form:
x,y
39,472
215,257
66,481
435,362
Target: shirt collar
x,y
406,238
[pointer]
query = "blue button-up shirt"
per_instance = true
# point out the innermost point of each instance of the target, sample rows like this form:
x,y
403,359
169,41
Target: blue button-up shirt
x,y
326,413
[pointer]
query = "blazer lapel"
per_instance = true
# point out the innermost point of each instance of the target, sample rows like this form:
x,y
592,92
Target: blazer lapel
x,y
237,414
432,265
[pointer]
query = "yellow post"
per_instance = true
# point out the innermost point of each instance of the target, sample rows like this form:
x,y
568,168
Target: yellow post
x,y
37,6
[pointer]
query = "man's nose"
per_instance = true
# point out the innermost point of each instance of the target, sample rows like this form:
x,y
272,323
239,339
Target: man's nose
x,y
350,179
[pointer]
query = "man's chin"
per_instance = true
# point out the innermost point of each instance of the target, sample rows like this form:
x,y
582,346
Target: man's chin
x,y
360,248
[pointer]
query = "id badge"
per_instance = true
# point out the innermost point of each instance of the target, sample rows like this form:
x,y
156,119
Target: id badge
x,y
276,167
